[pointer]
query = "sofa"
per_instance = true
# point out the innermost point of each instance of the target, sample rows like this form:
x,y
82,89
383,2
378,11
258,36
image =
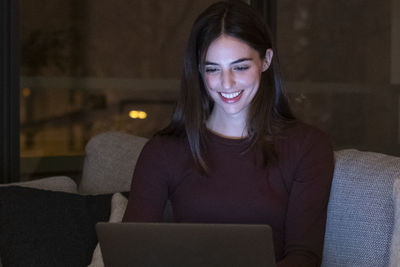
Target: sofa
x,y
50,221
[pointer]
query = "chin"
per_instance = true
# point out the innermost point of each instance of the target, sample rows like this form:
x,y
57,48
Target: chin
x,y
233,111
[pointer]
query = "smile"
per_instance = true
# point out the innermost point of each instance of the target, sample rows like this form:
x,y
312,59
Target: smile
x,y
231,97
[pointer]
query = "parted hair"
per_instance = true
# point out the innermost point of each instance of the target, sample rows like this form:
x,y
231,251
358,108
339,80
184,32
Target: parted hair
x,y
269,112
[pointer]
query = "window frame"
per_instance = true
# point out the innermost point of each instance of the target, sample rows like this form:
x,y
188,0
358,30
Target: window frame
x,y
9,91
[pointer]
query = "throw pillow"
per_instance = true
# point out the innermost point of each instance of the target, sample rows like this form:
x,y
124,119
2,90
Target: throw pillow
x,y
118,206
47,228
395,249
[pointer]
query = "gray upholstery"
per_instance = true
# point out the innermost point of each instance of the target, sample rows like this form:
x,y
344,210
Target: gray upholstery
x,y
55,183
109,163
360,211
395,248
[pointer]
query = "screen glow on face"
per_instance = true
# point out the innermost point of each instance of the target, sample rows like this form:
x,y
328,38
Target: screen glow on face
x,y
232,73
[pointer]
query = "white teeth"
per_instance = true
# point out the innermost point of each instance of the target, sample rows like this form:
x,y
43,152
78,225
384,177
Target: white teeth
x,y
232,95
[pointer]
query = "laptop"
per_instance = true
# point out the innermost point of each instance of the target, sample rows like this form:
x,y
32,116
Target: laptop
x,y
185,244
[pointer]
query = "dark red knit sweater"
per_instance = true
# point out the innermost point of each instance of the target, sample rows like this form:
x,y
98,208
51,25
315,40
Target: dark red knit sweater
x,y
290,195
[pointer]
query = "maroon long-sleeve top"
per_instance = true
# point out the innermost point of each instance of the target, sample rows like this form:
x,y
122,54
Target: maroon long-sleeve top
x,y
291,195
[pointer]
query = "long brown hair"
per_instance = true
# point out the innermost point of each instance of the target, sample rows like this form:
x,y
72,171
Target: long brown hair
x,y
269,112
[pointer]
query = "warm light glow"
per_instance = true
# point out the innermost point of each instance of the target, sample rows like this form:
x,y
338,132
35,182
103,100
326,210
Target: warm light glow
x,y
137,114
26,92
142,115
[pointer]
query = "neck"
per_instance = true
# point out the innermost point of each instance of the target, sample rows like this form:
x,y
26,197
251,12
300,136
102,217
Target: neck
x,y
227,126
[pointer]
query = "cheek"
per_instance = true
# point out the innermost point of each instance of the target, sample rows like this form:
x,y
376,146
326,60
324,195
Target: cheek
x,y
211,82
209,87
253,78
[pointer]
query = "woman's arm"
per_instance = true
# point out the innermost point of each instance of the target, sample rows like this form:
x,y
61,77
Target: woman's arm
x,y
149,188
308,201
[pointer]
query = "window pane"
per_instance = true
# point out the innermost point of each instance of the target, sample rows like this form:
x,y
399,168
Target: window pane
x,y
341,63
86,65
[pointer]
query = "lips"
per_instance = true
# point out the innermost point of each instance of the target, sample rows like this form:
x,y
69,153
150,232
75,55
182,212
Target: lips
x,y
231,97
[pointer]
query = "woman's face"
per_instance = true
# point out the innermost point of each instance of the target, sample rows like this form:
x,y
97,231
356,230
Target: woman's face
x,y
232,74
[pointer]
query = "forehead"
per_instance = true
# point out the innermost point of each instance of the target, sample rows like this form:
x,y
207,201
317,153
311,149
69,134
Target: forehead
x,y
227,48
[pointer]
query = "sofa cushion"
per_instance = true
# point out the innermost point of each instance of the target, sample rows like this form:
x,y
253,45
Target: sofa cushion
x,y
395,248
47,228
360,210
109,163
55,183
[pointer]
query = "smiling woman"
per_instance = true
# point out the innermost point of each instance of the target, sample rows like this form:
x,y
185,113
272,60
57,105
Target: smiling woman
x,y
232,76
233,152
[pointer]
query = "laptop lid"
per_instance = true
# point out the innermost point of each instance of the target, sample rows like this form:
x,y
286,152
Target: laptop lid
x,y
182,244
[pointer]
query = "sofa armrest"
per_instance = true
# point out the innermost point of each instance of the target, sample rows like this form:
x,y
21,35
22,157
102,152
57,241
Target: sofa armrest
x,y
55,183
360,210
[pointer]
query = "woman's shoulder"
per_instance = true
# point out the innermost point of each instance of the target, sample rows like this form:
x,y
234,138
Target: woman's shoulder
x,y
304,148
166,144
300,130
301,136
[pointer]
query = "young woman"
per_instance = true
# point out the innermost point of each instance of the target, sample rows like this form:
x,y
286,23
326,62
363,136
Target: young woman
x,y
233,152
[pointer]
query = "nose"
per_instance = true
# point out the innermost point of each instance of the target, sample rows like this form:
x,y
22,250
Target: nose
x,y
227,80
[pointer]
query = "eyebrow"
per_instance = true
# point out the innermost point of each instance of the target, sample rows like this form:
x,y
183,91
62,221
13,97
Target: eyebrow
x,y
234,62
